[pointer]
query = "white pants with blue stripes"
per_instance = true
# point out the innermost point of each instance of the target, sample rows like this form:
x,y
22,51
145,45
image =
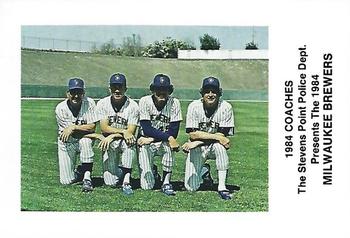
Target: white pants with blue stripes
x,y
67,155
118,154
146,157
197,157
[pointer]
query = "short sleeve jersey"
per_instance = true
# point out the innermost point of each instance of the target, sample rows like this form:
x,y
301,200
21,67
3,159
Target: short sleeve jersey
x,y
127,115
65,117
160,119
222,117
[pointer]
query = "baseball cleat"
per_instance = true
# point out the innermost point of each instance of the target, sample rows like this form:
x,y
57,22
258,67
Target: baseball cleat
x,y
207,179
87,186
167,189
126,188
225,194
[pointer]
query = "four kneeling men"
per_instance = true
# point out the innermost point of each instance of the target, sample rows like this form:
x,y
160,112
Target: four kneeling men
x,y
144,131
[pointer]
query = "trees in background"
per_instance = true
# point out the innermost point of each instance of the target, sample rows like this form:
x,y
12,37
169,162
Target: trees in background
x,y
166,48
131,46
209,42
251,46
110,48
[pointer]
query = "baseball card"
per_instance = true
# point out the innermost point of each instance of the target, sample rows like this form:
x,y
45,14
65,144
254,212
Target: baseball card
x,y
211,118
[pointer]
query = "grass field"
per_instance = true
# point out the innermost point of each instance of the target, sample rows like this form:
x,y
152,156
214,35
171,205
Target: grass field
x,y
54,68
41,190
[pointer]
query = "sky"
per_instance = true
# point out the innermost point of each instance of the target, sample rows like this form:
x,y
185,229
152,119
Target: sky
x,y
74,36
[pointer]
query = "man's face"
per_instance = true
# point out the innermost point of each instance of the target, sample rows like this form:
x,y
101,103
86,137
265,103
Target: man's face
x,y
75,96
161,94
210,97
117,91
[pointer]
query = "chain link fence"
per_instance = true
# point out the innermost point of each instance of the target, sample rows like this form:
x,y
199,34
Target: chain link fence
x,y
41,43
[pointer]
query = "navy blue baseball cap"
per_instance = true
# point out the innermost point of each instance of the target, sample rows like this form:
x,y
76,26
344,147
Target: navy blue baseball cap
x,y
161,81
76,83
117,78
211,82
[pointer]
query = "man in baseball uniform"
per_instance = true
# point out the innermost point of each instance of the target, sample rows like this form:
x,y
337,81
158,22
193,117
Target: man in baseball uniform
x,y
119,118
160,117
209,122
76,120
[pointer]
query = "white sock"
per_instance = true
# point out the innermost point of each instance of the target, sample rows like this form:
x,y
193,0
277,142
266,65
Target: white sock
x,y
167,178
222,180
126,178
87,175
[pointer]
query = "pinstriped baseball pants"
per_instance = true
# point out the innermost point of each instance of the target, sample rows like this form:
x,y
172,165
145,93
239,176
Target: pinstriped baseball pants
x,y
118,154
67,154
197,157
146,157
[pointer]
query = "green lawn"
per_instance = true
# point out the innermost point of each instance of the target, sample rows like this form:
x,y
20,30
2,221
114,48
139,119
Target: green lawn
x,y
55,68
41,190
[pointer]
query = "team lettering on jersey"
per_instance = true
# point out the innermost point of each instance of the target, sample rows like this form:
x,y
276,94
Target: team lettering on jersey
x,y
117,120
160,117
164,128
161,122
80,122
210,127
76,122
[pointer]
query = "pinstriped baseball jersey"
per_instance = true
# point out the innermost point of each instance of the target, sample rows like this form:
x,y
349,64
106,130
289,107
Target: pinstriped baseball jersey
x,y
128,114
160,119
196,118
222,117
118,152
65,117
68,151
